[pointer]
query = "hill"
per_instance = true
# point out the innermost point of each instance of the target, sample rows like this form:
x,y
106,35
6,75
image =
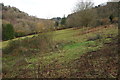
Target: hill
x,y
22,22
88,51
96,13
82,53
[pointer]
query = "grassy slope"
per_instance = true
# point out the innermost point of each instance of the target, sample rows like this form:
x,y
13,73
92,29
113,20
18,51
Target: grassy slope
x,y
5,43
57,64
102,63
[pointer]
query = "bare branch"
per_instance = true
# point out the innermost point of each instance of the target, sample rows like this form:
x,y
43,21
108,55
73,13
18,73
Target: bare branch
x,y
83,5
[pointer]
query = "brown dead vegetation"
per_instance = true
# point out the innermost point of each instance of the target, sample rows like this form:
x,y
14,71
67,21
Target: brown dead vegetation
x,y
98,64
93,30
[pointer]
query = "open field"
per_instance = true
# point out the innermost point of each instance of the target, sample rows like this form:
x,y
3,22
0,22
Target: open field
x,y
67,60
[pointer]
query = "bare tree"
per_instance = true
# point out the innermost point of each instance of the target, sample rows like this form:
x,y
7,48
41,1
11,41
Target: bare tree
x,y
83,5
83,15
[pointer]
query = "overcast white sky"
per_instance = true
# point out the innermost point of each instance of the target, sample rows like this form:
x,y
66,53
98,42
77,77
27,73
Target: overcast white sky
x,y
46,8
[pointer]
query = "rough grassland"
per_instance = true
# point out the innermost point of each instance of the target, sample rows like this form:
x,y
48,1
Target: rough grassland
x,y
73,43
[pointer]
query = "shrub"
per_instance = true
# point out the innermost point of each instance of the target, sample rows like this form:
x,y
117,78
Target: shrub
x,y
115,20
7,31
104,21
56,23
111,18
41,43
19,34
98,36
63,21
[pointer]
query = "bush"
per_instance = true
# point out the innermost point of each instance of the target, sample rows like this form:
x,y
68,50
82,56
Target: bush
x,y
7,31
63,21
41,43
19,34
115,20
98,36
104,21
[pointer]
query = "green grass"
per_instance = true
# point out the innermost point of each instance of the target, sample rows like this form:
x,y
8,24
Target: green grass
x,y
73,46
5,43
0,45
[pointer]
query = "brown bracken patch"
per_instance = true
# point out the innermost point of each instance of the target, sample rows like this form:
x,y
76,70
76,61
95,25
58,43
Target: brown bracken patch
x,y
98,64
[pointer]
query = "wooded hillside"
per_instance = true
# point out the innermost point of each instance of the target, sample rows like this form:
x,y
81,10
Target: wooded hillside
x,y
22,22
100,15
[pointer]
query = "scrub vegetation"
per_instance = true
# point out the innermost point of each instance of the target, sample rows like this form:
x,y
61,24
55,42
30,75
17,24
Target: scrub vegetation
x,y
81,45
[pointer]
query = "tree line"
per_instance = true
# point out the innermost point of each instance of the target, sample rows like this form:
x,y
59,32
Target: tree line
x,y
86,14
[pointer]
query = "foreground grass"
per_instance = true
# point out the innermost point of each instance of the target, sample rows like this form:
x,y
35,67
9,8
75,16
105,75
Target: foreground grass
x,y
72,43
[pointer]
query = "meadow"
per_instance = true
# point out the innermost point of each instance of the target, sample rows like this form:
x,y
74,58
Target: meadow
x,y
71,44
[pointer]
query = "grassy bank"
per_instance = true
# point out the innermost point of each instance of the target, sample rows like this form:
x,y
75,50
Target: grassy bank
x,y
72,43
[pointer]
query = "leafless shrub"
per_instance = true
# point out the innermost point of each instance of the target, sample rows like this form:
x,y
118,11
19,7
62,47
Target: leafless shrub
x,y
41,43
